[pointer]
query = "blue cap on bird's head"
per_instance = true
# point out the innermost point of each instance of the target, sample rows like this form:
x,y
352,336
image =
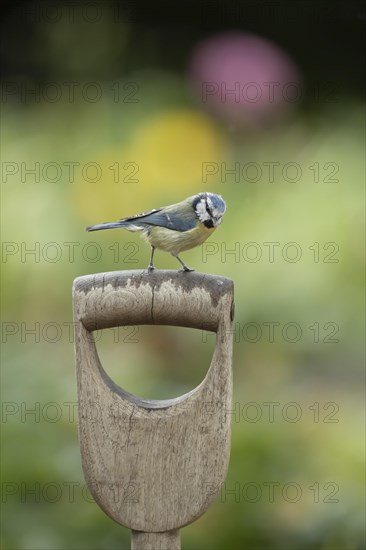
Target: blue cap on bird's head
x,y
209,208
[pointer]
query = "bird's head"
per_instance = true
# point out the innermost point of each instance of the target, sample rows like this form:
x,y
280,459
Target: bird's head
x,y
209,208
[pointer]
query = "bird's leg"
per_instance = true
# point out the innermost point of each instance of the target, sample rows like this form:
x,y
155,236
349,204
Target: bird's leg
x,y
151,265
185,268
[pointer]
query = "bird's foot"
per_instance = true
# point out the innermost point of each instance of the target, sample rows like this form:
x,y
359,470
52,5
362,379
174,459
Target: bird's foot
x,y
150,268
185,270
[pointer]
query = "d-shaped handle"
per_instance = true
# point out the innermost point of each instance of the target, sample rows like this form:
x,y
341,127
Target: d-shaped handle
x,y
154,466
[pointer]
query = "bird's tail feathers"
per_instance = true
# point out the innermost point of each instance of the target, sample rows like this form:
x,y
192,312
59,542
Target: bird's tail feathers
x,y
108,225
114,225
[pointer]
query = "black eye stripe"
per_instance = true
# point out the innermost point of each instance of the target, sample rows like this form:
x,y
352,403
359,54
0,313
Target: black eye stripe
x,y
208,210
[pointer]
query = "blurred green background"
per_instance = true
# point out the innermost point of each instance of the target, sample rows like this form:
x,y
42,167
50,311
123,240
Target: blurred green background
x,y
113,108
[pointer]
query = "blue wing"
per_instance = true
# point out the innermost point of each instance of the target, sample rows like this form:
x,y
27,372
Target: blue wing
x,y
163,217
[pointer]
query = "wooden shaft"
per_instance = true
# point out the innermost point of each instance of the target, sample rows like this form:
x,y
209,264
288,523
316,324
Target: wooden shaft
x,y
170,540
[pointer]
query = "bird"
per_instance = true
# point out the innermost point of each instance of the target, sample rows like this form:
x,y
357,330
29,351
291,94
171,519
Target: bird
x,y
175,228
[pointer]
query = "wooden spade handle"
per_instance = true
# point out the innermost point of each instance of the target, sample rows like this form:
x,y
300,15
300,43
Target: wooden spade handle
x,y
122,298
154,466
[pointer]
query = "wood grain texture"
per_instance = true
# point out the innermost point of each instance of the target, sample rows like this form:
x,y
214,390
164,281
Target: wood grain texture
x,y
155,541
153,466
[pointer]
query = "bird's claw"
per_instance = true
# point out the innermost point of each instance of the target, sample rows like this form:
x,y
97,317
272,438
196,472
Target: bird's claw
x,y
150,268
185,270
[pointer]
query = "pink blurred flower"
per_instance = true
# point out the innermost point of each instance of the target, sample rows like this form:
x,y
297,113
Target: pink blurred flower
x,y
244,79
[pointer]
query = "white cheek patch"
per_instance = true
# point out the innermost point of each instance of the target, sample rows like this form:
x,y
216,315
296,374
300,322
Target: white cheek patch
x,y
201,211
216,213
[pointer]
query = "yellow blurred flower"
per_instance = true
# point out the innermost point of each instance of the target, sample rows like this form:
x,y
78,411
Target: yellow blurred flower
x,y
172,147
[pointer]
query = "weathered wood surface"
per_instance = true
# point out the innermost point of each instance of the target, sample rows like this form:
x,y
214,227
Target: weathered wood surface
x,y
153,466
169,540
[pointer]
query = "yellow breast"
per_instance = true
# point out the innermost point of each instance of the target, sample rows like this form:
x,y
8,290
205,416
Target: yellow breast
x,y
177,241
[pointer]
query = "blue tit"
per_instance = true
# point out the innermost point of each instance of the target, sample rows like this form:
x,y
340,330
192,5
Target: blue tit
x,y
176,227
